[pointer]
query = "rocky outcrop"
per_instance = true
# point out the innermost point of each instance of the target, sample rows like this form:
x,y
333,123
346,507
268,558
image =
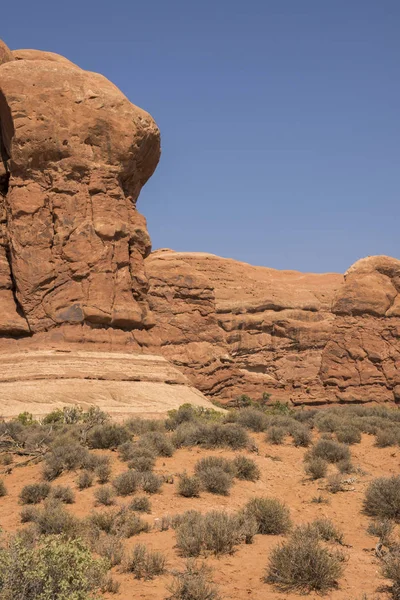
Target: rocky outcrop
x,y
308,338
75,155
77,275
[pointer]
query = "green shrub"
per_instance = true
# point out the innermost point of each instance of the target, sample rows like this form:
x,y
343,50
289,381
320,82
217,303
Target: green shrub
x,y
303,563
276,435
34,493
85,480
150,482
272,515
246,468
316,468
63,493
141,504
216,481
382,498
194,583
127,483
348,435
105,495
330,450
144,563
54,569
108,436
189,487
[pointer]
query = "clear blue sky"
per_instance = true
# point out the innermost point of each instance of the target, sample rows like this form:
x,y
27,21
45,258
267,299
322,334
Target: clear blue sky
x,y
280,119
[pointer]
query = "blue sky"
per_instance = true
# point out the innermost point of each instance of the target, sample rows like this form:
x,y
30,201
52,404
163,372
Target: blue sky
x,y
279,118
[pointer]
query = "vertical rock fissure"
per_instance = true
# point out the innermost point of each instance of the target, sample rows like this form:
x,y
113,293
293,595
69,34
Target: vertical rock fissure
x,y
18,306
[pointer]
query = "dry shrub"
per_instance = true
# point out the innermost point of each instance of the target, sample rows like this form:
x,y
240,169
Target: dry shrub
x,y
271,515
301,436
127,483
103,473
190,533
253,419
316,468
346,466
217,532
348,435
157,442
387,437
85,480
193,583
105,495
110,547
245,468
276,435
329,450
303,563
108,436
53,519
34,493
391,570
189,487
216,481
382,498
150,482
209,462
335,484
144,563
382,529
63,493
141,504
326,530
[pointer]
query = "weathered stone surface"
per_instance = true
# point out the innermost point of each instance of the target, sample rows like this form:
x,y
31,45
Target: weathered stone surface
x,y
310,338
5,53
122,384
76,154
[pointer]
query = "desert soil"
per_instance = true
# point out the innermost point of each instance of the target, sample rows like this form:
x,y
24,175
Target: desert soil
x,y
239,575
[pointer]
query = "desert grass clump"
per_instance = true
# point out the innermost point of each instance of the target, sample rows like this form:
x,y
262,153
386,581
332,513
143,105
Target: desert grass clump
x,y
141,504
348,435
326,530
245,468
329,450
216,481
193,583
276,435
189,487
150,482
271,515
209,462
303,563
316,468
222,532
127,483
34,493
145,564
63,493
382,529
190,533
105,495
85,480
382,498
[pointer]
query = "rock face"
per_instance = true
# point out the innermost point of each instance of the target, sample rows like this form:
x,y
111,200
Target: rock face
x,y
81,293
75,156
313,339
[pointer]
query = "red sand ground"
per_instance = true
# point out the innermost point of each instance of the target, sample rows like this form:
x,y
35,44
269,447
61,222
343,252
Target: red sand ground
x,y
240,575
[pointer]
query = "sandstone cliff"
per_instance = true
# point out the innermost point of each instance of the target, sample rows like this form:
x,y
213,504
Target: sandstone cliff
x,y
235,328
77,276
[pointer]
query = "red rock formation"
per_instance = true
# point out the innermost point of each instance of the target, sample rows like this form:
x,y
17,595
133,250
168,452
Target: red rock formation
x,y
235,328
75,154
